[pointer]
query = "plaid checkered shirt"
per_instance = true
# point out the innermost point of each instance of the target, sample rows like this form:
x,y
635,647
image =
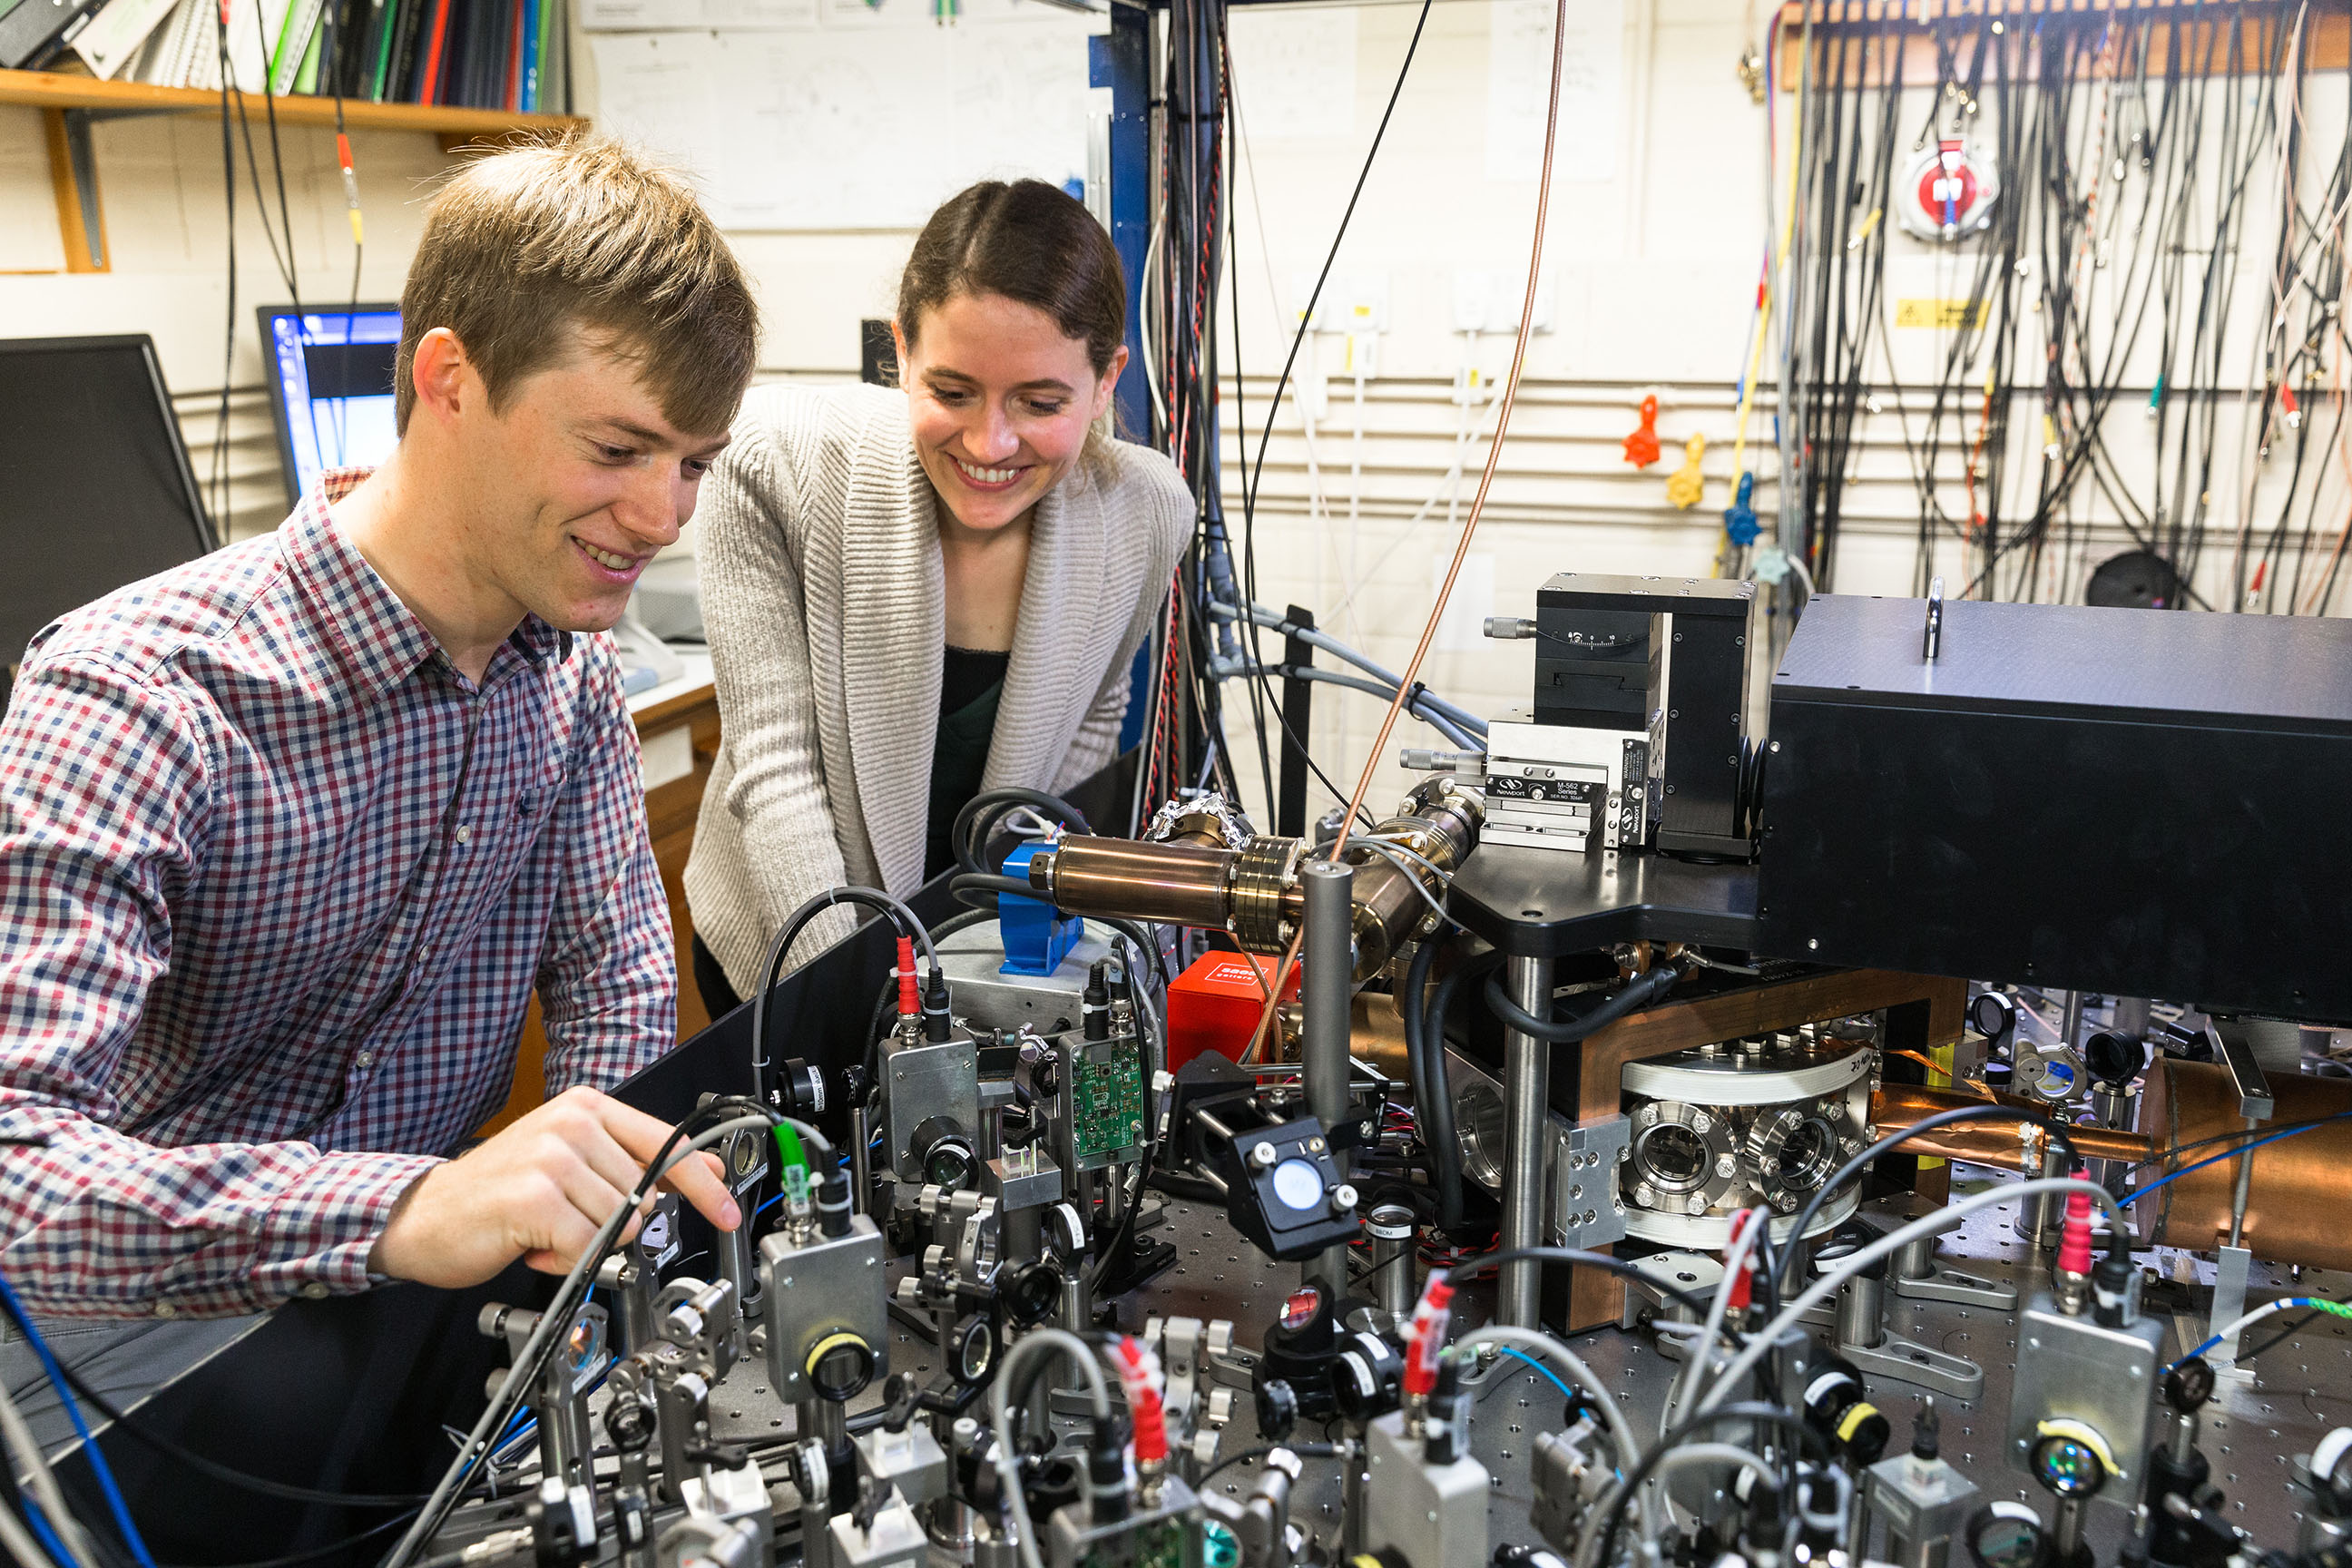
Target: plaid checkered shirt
x,y
276,884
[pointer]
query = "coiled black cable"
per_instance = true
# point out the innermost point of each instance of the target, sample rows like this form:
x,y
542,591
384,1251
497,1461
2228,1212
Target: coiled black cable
x,y
873,899
1634,996
975,824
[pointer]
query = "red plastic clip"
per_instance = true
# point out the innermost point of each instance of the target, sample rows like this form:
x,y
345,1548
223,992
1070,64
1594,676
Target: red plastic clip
x,y
2074,1241
1743,1284
1138,1376
1427,1336
1641,446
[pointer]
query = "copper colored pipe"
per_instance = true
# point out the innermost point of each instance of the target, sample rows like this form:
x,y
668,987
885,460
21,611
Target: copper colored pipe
x,y
1183,884
2297,1193
1990,1141
2300,1188
1375,1034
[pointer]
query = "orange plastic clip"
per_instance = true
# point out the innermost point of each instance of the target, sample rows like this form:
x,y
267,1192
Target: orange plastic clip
x,y
1641,446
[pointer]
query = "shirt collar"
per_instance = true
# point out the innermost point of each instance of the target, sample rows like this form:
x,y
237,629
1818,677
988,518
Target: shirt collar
x,y
378,637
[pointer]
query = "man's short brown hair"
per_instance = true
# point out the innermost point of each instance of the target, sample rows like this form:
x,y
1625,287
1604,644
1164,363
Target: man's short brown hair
x,y
522,246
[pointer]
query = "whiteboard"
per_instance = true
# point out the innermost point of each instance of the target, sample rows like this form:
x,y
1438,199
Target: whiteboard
x,y
1519,90
865,117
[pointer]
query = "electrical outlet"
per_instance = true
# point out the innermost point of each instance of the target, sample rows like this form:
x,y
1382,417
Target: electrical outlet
x,y
1474,301
1489,302
1302,289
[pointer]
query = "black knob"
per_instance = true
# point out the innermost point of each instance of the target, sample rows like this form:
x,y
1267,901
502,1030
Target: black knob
x,y
900,1395
800,1089
1925,1429
2188,1386
1278,1409
1095,1004
630,1424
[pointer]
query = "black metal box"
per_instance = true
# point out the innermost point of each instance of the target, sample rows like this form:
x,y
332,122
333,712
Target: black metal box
x,y
2135,802
1665,655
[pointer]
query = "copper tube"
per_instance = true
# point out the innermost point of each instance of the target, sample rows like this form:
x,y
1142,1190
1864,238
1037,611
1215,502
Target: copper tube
x,y
1185,884
2300,1187
1992,1141
1388,902
1253,892
1375,1034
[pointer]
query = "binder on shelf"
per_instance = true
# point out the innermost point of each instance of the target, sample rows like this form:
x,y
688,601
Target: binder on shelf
x,y
117,34
306,76
32,33
518,39
387,38
401,86
534,18
294,44
434,52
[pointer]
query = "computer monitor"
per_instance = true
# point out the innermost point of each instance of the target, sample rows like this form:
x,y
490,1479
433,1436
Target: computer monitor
x,y
330,387
98,488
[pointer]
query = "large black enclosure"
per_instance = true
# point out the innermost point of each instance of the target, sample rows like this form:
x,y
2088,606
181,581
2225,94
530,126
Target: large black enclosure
x,y
2136,802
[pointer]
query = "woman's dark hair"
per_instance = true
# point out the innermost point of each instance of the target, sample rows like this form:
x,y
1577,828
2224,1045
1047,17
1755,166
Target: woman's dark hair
x,y
1032,244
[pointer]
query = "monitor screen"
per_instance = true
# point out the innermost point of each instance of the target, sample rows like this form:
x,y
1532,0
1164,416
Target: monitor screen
x,y
330,387
98,488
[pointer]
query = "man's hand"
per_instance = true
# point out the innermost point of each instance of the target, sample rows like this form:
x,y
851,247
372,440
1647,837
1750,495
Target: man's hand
x,y
536,1191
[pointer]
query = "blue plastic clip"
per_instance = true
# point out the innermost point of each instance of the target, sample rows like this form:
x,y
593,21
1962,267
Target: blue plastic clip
x,y
1740,518
1036,935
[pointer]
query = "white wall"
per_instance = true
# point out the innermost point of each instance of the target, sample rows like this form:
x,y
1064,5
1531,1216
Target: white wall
x,y
166,226
1657,222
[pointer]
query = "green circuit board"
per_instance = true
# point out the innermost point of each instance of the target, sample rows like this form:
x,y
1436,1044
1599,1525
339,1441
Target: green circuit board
x,y
1106,1100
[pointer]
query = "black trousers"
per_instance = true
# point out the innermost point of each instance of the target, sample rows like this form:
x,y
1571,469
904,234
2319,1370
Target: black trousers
x,y
719,998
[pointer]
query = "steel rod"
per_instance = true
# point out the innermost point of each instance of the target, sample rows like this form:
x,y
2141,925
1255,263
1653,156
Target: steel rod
x,y
1326,988
1527,1092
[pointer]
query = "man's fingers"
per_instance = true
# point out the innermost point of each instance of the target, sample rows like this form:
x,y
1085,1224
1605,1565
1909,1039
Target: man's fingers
x,y
700,1183
596,1144
697,1180
569,1232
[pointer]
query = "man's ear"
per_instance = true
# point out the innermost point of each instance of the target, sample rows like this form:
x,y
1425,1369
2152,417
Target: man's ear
x,y
439,373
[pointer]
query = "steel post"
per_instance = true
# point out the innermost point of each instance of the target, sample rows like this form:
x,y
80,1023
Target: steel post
x,y
1527,1093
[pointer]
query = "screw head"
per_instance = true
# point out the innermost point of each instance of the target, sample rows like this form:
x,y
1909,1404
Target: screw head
x,y
1262,1155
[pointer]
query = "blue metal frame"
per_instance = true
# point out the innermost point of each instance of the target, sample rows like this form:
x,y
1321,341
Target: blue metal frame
x,y
1121,61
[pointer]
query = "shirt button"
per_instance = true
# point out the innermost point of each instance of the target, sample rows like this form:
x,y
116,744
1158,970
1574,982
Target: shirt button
x,y
314,1291
165,1310
465,832
366,1058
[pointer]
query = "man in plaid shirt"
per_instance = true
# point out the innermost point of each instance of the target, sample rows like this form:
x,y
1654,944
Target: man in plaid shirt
x,y
288,835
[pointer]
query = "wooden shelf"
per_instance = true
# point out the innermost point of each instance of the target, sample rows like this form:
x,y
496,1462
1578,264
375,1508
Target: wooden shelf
x,y
69,103
57,90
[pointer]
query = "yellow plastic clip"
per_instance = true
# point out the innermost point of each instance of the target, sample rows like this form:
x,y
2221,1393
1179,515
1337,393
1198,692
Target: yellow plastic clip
x,y
1685,485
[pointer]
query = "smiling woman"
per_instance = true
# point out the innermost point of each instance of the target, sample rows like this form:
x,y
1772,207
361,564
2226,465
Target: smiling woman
x,y
912,595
